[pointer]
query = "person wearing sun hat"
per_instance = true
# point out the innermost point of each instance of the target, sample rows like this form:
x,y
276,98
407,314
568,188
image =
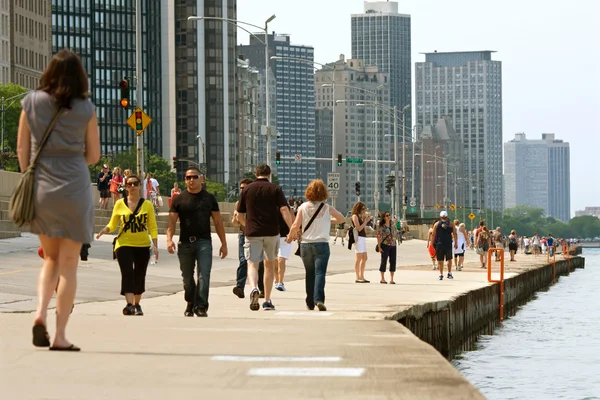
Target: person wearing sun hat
x,y
444,235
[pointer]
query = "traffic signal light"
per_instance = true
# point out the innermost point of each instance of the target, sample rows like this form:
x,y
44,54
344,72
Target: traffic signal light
x,y
405,200
339,160
138,121
124,85
174,162
357,188
278,158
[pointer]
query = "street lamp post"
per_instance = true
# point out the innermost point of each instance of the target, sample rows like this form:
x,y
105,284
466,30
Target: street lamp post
x,y
266,43
406,107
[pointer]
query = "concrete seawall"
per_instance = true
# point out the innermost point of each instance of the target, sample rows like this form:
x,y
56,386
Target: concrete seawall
x,y
454,326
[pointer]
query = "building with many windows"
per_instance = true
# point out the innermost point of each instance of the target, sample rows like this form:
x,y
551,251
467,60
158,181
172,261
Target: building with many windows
x,y
295,101
248,128
25,41
199,67
362,129
103,35
467,88
382,37
537,174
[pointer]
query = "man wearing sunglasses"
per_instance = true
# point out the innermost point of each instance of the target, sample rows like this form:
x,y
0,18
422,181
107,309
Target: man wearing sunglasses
x,y
194,208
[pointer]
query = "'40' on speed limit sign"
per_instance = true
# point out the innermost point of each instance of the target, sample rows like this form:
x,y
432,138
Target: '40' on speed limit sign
x,y
333,181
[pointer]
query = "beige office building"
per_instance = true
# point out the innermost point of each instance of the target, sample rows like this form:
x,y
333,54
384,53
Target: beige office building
x,y
359,87
25,41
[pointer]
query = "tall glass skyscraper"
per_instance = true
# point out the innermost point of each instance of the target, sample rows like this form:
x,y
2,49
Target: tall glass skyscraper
x,y
467,88
102,33
200,57
382,37
295,101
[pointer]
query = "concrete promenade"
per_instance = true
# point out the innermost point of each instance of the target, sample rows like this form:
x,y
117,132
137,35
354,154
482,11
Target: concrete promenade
x,y
348,352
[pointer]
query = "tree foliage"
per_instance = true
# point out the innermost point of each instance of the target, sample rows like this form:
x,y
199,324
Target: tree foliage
x,y
12,105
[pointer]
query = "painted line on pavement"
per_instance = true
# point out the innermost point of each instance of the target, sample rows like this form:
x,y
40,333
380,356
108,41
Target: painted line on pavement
x,y
275,359
16,271
305,313
312,372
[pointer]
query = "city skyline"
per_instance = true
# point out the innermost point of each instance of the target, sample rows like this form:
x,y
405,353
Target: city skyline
x,y
537,97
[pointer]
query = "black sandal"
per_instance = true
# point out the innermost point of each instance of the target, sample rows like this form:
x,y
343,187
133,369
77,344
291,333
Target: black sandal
x,y
41,338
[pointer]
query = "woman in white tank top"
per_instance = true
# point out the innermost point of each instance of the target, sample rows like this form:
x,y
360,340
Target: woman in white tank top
x,y
314,249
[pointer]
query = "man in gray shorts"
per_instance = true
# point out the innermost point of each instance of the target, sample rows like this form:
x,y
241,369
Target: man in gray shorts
x,y
259,207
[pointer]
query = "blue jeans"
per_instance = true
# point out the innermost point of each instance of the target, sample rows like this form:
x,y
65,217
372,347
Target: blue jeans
x,y
315,257
190,254
242,271
388,252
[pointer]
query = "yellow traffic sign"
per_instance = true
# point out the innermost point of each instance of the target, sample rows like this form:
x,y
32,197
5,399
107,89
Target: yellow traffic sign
x,y
139,121
452,207
437,206
471,216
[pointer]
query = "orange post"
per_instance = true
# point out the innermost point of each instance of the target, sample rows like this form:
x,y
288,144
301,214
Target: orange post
x,y
501,280
553,265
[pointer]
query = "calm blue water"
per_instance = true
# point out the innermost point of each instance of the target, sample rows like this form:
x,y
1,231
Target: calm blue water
x,y
550,349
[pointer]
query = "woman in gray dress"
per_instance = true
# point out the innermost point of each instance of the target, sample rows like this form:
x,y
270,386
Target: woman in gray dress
x,y
64,207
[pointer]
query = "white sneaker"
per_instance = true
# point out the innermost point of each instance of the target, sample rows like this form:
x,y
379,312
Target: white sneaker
x,y
435,267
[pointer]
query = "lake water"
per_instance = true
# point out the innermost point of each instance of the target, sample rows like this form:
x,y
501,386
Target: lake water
x,y
550,349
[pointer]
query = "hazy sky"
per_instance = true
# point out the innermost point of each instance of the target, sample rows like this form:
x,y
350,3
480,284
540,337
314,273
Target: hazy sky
x,y
549,52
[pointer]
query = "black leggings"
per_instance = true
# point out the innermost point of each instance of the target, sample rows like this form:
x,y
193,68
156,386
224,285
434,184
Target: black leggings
x,y
133,262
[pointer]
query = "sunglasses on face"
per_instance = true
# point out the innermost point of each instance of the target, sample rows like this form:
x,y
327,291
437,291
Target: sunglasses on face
x,y
190,177
134,183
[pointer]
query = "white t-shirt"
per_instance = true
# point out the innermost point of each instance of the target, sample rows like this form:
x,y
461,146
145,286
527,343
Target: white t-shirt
x,y
319,230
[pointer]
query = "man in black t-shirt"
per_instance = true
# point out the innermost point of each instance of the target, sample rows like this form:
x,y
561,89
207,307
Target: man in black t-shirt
x,y
103,186
194,208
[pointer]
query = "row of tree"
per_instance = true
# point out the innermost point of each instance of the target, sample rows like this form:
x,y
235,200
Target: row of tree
x,y
526,221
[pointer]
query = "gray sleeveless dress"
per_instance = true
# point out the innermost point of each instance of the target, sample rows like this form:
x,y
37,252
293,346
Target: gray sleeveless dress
x,y
64,203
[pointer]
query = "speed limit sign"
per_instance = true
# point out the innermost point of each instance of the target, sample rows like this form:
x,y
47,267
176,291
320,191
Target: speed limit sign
x,y
333,183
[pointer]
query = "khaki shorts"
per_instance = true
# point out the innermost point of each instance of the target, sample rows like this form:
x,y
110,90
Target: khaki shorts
x,y
269,245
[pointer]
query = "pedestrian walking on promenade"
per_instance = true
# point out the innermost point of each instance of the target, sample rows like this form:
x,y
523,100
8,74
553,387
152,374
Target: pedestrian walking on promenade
x,y
431,247
194,208
513,245
459,251
340,232
243,254
63,202
284,253
387,239
360,222
484,241
259,208
137,220
443,237
315,217
115,183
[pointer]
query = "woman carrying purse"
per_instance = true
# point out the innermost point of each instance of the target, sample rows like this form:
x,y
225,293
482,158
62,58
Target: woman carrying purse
x,y
387,239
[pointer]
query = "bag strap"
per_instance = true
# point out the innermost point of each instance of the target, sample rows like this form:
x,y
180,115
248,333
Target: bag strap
x,y
313,217
137,209
45,138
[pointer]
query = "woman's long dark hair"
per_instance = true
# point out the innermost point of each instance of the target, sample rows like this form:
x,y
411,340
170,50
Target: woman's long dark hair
x,y
382,220
65,79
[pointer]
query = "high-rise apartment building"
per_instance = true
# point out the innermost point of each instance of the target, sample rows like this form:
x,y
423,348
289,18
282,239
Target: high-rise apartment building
x,y
295,105
103,35
467,88
359,125
25,41
537,174
382,37
199,67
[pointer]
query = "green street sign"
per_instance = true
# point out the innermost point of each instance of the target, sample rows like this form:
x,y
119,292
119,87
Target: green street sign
x,y
350,160
412,209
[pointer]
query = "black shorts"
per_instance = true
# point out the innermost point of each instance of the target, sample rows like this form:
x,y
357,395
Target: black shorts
x,y
443,252
105,194
513,247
